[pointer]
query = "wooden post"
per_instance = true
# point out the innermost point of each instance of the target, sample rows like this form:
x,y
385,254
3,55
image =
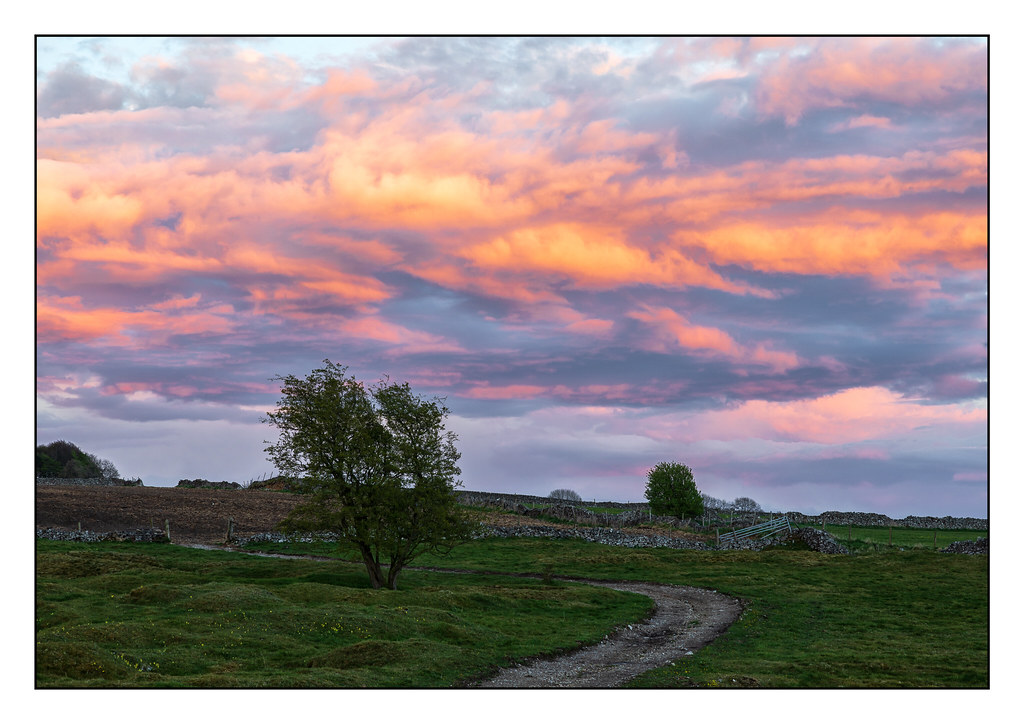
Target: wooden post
x,y
935,537
718,536
231,525
167,528
79,526
890,535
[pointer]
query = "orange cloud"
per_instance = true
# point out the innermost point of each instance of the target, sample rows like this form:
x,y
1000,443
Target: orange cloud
x,y
868,244
70,200
592,257
66,318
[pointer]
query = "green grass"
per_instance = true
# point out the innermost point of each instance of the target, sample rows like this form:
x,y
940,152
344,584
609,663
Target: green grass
x,y
863,538
891,619
146,615
896,619
887,619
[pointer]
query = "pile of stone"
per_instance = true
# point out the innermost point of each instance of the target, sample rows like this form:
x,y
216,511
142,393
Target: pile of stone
x,y
977,547
817,540
137,535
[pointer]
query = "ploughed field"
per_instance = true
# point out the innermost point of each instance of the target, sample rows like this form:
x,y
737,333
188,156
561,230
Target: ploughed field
x,y
194,515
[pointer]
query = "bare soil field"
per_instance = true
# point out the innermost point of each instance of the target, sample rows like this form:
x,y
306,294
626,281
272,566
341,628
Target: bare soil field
x,y
198,515
195,515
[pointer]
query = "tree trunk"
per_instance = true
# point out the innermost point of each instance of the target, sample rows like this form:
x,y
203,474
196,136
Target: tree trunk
x,y
372,567
393,572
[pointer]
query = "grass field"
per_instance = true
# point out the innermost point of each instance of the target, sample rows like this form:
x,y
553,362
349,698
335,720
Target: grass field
x,y
150,615
913,618
862,538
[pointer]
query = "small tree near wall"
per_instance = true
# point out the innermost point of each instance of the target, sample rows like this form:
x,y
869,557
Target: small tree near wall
x,y
671,490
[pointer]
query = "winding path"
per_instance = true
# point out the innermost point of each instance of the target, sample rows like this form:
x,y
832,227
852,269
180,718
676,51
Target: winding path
x,y
684,620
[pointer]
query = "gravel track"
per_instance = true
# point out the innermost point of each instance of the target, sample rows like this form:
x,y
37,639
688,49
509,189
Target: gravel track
x,y
685,619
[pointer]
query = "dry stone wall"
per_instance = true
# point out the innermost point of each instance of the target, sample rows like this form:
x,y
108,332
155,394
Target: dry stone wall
x,y
116,482
136,535
834,517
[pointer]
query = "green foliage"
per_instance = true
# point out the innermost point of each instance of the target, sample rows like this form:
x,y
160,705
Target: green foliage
x,y
671,490
378,466
63,459
164,616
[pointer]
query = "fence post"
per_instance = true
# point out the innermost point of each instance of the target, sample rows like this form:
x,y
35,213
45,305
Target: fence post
x,y
890,535
935,537
718,536
167,529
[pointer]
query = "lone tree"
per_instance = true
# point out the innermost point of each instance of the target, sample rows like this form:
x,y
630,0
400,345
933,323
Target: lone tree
x,y
672,491
377,464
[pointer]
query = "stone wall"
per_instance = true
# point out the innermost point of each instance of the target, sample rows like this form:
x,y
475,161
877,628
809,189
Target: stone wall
x,y
117,482
507,500
833,517
138,535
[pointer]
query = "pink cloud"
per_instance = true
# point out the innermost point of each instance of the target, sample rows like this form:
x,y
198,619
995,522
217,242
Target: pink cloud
x,y
503,392
838,73
673,331
852,416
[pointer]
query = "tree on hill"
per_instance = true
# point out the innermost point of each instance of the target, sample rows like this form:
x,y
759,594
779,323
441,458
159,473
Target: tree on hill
x,y
671,490
746,505
63,459
107,468
565,494
377,464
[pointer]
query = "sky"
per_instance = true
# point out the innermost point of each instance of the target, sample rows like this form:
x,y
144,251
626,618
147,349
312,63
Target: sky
x,y
766,258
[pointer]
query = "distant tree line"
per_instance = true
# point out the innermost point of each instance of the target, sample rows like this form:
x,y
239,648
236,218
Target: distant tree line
x,y
63,459
740,505
565,494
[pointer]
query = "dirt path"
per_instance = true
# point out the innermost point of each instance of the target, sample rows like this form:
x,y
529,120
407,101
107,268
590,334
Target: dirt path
x,y
684,620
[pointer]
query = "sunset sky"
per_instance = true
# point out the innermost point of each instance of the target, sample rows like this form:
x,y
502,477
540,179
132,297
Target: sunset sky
x,y
766,258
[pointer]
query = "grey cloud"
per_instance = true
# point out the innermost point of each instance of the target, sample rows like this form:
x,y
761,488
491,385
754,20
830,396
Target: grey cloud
x,y
68,89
